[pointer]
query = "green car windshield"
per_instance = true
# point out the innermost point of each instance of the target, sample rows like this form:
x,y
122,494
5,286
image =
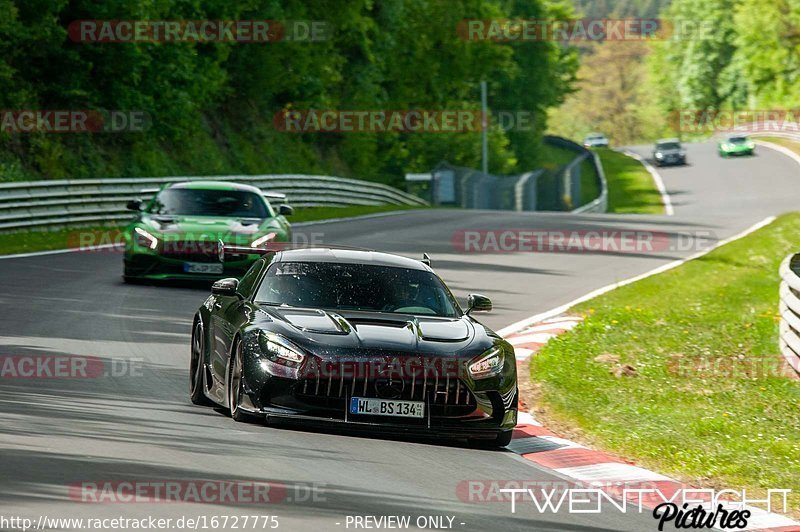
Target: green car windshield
x,y
737,140
364,287
200,202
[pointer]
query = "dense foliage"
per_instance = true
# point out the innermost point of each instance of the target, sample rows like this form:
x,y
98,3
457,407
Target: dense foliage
x,y
212,104
724,55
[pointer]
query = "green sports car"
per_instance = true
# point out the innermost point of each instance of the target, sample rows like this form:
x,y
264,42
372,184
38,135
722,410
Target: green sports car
x,y
736,145
175,234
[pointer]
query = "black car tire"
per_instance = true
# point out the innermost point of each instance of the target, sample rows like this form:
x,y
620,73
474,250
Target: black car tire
x,y
235,372
196,373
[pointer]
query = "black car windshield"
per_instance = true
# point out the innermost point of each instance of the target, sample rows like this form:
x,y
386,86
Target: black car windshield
x,y
210,202
668,146
364,287
737,140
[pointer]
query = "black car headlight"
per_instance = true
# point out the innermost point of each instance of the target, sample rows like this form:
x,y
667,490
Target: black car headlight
x,y
280,350
487,364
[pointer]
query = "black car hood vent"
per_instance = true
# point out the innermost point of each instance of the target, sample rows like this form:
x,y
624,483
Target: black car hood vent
x,y
311,320
374,330
444,331
383,323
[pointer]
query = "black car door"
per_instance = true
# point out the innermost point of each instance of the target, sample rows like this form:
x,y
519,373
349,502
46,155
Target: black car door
x,y
228,315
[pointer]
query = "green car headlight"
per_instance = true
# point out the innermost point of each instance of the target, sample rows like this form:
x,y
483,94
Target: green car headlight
x,y
144,239
487,364
260,241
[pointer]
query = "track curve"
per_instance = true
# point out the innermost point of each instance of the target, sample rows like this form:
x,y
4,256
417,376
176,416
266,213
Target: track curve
x,y
141,426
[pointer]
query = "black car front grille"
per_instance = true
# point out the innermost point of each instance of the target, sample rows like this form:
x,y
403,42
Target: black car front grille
x,y
446,394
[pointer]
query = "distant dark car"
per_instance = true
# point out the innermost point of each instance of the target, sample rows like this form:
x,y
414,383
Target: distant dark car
x,y
595,140
357,339
669,152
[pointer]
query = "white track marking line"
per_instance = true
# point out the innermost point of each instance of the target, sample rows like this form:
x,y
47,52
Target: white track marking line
x,y
662,189
527,322
53,252
567,444
779,148
566,325
536,338
761,519
522,353
524,418
608,472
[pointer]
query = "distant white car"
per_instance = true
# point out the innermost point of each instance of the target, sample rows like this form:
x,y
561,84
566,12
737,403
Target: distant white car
x,y
595,140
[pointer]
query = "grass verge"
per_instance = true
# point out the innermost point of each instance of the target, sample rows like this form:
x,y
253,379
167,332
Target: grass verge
x,y
631,189
709,402
43,240
780,141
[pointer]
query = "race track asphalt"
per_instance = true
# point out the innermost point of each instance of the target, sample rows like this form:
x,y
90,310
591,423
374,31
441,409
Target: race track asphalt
x,y
140,426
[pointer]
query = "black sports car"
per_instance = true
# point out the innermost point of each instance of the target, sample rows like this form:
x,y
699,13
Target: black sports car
x,y
356,338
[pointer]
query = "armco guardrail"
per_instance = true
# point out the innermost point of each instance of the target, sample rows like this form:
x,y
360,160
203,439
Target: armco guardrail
x,y
790,310
73,202
600,204
571,174
538,190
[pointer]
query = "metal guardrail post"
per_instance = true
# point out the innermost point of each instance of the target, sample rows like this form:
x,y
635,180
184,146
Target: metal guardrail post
x,y
600,204
789,308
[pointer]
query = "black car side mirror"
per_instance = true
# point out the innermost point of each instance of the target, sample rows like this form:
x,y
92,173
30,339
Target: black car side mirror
x,y
225,287
134,205
285,210
478,303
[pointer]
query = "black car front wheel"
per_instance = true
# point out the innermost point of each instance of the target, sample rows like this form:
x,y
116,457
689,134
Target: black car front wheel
x,y
196,367
236,385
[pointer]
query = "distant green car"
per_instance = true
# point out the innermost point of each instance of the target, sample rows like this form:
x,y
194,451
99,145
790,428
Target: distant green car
x,y
736,145
175,234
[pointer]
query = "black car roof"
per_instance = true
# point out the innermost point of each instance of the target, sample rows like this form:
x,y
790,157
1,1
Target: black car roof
x,y
349,256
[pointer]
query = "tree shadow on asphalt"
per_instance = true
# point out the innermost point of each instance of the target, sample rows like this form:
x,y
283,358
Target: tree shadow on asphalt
x,y
56,479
